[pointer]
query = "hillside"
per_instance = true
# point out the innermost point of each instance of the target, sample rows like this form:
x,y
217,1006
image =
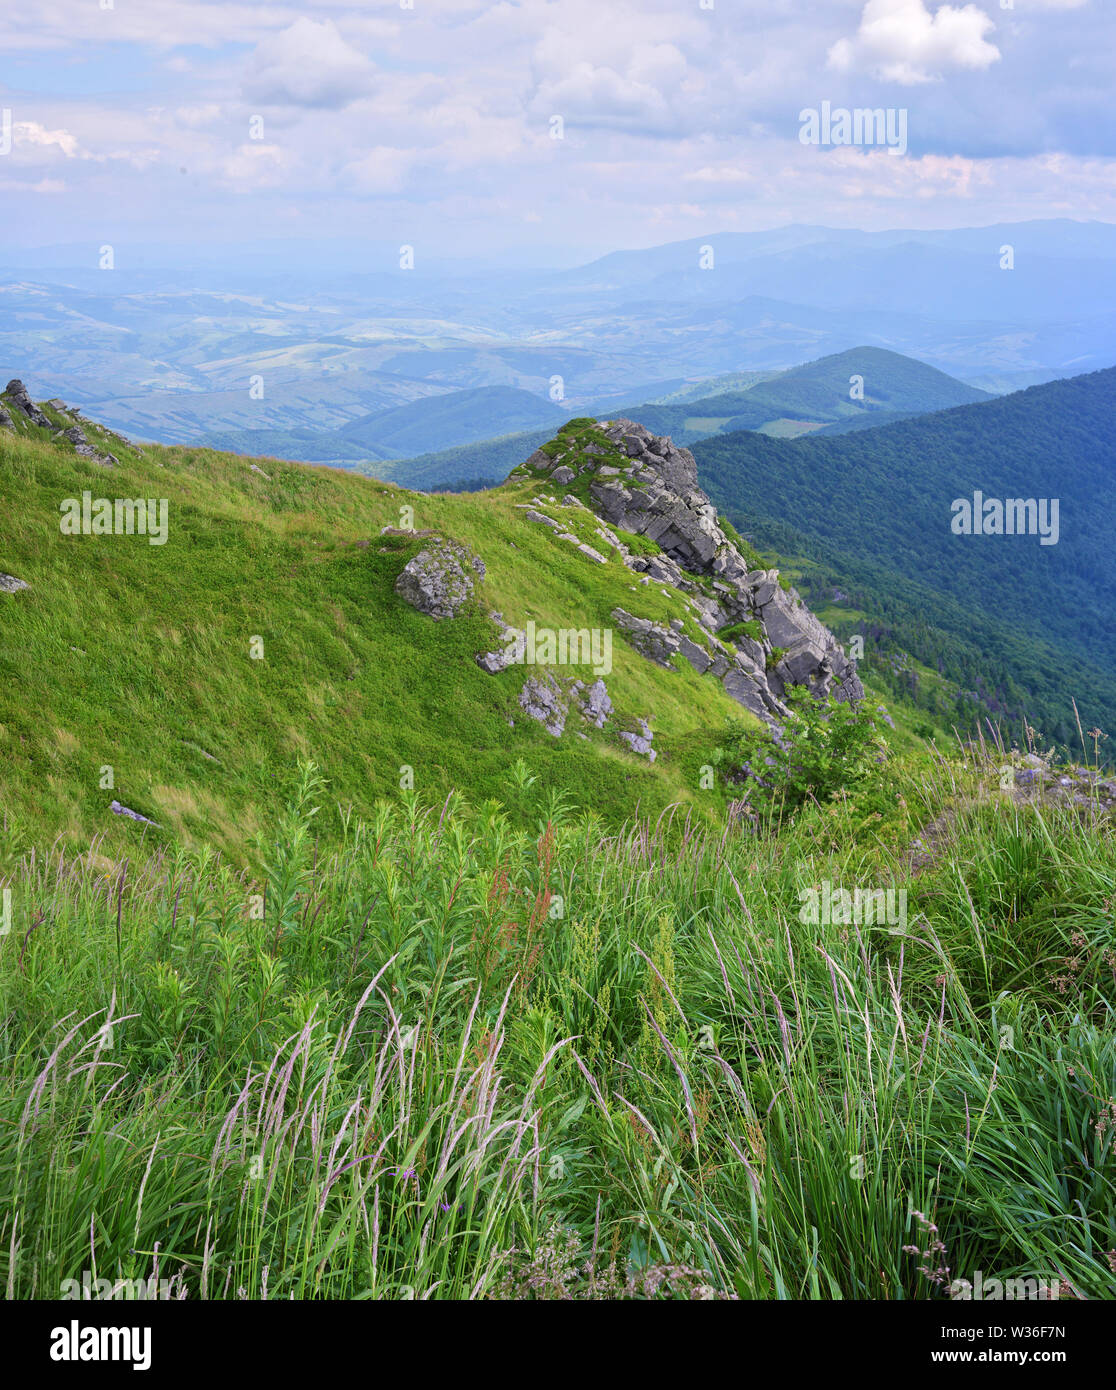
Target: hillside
x,y
818,393
459,417
182,679
1033,621
813,396
433,982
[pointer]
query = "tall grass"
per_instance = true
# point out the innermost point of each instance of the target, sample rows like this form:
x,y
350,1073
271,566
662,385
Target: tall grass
x,y
451,1057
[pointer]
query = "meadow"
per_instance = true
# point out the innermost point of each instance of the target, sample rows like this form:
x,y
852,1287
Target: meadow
x,y
477,1050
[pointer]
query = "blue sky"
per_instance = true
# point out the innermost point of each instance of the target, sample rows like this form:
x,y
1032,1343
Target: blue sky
x,y
432,122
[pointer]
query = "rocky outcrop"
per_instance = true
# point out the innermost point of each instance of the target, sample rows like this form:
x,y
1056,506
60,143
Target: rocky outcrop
x,y
640,742
21,401
76,436
19,396
757,636
507,655
439,580
550,702
9,584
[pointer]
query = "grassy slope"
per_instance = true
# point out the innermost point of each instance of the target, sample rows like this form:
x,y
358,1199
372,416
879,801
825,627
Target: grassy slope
x,y
560,1035
135,656
757,1106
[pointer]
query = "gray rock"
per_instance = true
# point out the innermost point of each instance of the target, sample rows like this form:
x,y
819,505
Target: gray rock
x,y
6,421
118,810
541,699
697,656
563,475
593,701
9,584
21,399
641,742
745,691
668,507
656,643
509,653
439,580
591,554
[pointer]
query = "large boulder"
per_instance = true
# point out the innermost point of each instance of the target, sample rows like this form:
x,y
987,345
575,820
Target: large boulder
x,y
20,397
439,581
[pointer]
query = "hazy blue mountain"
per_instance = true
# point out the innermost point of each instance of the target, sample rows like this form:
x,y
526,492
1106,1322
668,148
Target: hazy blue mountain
x,y
460,417
858,388
167,345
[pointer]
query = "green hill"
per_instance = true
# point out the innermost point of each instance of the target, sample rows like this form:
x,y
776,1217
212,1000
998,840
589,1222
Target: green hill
x,y
459,417
1024,625
815,396
493,459
129,670
405,998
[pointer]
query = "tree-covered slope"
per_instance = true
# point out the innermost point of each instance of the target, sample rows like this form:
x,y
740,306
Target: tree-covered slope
x,y
817,395
876,506
846,386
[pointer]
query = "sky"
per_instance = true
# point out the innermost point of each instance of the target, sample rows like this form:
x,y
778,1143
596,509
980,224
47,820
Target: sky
x,y
543,132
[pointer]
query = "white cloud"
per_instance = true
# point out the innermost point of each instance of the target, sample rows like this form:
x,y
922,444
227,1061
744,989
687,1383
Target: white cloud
x,y
32,133
904,42
254,166
379,170
308,64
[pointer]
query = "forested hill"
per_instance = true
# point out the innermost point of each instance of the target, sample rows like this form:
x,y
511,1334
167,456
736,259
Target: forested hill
x,y
877,507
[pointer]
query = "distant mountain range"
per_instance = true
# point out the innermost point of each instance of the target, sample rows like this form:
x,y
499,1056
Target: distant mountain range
x,y
275,358
862,387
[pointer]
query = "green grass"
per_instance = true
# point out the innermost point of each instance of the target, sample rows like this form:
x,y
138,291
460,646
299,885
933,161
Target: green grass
x,y
599,1055
549,1025
138,658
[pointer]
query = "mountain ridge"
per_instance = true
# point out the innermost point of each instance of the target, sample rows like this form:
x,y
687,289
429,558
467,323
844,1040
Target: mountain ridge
x,y
191,672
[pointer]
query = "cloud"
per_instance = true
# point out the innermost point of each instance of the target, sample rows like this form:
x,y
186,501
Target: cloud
x,y
254,166
379,170
308,64
902,41
31,133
